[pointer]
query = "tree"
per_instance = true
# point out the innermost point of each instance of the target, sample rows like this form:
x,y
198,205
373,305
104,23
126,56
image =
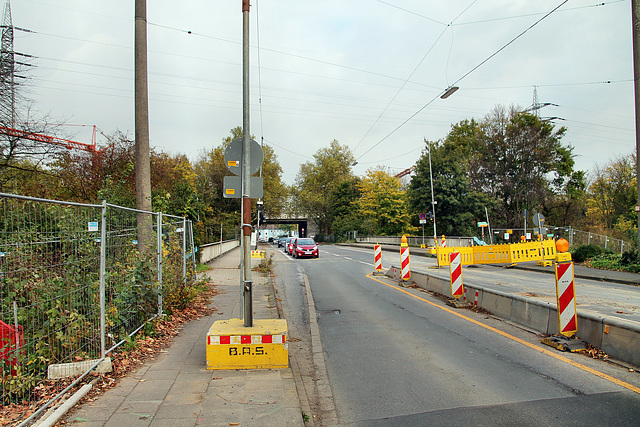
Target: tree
x,y
343,212
458,206
210,170
613,193
519,160
382,205
317,180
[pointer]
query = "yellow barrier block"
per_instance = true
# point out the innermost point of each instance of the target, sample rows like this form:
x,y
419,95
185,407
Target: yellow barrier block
x,y
231,345
258,254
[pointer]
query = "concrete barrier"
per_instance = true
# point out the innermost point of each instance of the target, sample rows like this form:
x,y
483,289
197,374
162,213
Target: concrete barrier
x,y
211,251
616,337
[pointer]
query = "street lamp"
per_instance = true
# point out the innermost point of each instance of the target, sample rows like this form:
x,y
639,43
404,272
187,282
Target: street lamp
x,y
450,91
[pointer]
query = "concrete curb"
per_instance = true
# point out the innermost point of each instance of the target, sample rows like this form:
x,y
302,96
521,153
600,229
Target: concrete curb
x,y
618,338
327,405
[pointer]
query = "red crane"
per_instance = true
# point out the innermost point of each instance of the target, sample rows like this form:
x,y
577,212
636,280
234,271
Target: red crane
x,y
404,172
67,143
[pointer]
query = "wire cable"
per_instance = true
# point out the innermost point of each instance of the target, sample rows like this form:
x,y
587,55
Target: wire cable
x,y
412,73
461,78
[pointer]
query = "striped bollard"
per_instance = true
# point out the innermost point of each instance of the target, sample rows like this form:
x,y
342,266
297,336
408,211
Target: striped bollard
x,y
377,258
405,271
566,296
455,268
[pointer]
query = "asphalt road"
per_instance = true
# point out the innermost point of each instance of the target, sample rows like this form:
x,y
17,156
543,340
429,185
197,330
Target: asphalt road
x,y
399,356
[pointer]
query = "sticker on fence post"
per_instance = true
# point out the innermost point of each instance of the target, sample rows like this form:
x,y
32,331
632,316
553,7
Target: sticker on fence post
x,y
455,268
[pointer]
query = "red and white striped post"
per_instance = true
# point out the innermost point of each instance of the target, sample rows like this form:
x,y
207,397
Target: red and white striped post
x,y
405,270
377,258
566,295
455,269
444,242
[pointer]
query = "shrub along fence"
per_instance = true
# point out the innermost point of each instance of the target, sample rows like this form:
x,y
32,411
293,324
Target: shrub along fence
x,y
74,286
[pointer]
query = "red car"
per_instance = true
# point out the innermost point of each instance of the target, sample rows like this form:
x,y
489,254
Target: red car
x,y
289,248
305,246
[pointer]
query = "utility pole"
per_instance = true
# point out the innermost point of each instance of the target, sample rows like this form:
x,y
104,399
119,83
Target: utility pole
x,y
433,202
143,163
635,21
246,175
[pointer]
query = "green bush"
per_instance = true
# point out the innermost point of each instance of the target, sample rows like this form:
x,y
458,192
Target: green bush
x,y
584,252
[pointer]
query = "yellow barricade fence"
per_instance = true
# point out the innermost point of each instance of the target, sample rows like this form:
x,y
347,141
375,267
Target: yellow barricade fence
x,y
501,254
466,255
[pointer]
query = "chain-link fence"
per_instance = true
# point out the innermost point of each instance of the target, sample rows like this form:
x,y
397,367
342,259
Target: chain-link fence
x,y
74,285
573,236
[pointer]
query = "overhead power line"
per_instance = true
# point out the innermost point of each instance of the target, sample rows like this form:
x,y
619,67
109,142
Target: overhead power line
x,y
461,78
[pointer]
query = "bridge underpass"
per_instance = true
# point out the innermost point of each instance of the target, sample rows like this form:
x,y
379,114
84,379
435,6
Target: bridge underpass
x,y
300,223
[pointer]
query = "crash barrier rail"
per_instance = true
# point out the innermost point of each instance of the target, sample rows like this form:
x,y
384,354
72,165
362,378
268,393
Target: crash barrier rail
x,y
416,241
212,251
573,236
500,254
73,287
618,338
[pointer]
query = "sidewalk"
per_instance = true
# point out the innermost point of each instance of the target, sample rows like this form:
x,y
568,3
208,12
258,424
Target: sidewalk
x,y
177,390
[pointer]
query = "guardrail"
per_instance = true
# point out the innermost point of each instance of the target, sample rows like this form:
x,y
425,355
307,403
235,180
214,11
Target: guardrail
x,y
417,241
212,251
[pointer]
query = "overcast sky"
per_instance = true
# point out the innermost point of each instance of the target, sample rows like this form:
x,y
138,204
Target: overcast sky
x,y
367,73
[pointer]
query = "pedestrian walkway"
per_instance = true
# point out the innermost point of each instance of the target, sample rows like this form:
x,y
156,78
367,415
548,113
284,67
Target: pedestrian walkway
x,y
177,390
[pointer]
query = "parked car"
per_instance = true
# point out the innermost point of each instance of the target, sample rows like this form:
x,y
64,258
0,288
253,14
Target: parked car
x,y
305,246
281,241
290,245
286,244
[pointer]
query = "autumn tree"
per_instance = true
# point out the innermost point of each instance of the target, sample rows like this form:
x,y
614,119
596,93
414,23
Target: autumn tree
x,y
382,204
317,180
210,170
612,194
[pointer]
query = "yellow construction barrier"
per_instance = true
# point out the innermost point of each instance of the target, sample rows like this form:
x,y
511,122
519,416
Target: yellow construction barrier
x,y
466,255
544,252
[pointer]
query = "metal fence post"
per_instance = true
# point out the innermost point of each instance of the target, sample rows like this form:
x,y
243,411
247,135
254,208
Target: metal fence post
x,y
103,270
184,251
159,232
193,250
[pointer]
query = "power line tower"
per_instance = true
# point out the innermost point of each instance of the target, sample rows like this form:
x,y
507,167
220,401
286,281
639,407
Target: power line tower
x,y
535,106
7,69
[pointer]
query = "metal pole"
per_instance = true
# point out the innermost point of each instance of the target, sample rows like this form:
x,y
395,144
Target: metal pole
x,y
193,251
159,231
103,274
246,198
16,332
635,20
486,212
433,202
184,251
